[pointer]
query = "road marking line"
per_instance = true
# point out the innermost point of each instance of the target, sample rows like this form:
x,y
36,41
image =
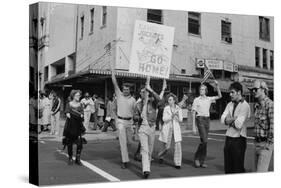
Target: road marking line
x,y
95,169
220,140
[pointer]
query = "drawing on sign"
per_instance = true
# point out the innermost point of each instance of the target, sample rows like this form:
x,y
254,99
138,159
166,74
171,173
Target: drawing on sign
x,y
151,49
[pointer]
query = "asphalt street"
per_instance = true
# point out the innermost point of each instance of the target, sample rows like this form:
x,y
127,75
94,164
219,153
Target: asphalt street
x,y
101,161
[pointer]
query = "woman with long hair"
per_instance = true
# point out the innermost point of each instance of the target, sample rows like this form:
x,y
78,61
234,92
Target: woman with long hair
x,y
171,131
74,128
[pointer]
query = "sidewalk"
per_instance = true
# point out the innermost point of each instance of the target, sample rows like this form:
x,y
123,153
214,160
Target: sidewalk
x,y
97,135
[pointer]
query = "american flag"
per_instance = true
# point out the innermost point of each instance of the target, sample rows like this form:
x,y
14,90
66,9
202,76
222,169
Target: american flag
x,y
207,74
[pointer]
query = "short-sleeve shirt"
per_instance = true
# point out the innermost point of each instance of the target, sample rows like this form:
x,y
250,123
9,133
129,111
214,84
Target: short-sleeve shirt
x,y
202,105
125,105
88,103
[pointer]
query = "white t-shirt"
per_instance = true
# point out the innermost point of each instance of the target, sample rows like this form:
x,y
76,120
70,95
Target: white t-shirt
x,y
202,105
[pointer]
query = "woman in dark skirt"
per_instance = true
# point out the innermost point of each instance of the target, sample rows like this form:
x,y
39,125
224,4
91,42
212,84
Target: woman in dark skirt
x,y
74,128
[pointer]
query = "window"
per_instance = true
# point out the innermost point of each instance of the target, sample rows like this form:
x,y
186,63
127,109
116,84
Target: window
x,y
227,74
60,69
46,73
154,16
104,14
257,54
271,59
92,12
194,23
82,27
226,31
183,71
217,74
264,58
264,28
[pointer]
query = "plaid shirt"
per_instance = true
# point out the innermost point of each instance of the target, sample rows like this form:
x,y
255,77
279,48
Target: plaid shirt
x,y
264,119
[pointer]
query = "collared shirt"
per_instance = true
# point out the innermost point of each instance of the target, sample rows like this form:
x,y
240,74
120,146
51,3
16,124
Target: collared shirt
x,y
125,105
264,119
241,113
151,112
88,104
202,105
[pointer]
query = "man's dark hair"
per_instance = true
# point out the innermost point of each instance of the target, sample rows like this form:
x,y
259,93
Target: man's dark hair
x,y
237,87
128,85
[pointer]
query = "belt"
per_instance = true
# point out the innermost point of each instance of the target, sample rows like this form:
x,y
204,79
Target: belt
x,y
260,139
124,118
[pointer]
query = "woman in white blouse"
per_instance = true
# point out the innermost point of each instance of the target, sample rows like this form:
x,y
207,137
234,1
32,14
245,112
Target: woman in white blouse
x,y
171,131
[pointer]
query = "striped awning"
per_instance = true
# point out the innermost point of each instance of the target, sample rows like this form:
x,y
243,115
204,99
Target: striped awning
x,y
121,73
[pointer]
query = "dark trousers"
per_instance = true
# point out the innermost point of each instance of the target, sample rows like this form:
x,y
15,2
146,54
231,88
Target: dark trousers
x,y
234,154
109,124
203,125
79,147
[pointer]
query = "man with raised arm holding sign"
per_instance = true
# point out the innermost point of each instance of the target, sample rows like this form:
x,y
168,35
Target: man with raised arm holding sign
x,y
125,110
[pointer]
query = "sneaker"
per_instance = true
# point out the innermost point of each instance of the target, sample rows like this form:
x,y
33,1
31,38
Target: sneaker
x,y
178,167
70,161
145,174
203,165
196,163
124,165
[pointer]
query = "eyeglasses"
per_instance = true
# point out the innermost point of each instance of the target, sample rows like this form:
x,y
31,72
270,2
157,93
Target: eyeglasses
x,y
255,89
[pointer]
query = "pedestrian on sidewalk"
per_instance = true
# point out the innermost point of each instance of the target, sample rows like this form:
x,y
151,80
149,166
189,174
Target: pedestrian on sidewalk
x,y
201,111
74,128
264,113
45,106
94,112
147,127
55,114
110,115
171,131
125,109
87,102
234,116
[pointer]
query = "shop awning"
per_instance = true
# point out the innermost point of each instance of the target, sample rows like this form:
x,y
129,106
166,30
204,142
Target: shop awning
x,y
119,73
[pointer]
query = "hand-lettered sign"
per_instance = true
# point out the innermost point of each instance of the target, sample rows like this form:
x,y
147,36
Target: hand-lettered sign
x,y
152,49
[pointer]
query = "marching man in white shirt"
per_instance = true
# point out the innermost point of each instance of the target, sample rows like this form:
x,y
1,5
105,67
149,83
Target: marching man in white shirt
x,y
234,116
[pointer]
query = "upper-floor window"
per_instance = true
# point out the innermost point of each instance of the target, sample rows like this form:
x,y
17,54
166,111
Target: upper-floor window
x,y
264,57
104,15
154,16
226,31
194,23
46,73
82,26
92,12
60,69
257,56
264,28
271,55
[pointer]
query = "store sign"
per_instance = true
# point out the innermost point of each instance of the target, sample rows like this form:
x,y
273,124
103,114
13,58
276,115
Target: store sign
x,y
228,66
235,68
200,63
151,49
214,64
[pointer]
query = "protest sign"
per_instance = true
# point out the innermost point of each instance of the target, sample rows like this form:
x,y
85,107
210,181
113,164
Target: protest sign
x,y
151,49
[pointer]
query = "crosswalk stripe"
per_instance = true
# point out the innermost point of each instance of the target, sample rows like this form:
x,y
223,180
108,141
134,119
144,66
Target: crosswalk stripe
x,y
95,169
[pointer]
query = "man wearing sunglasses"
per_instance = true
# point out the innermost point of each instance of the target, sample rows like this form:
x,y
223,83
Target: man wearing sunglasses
x,y
263,126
